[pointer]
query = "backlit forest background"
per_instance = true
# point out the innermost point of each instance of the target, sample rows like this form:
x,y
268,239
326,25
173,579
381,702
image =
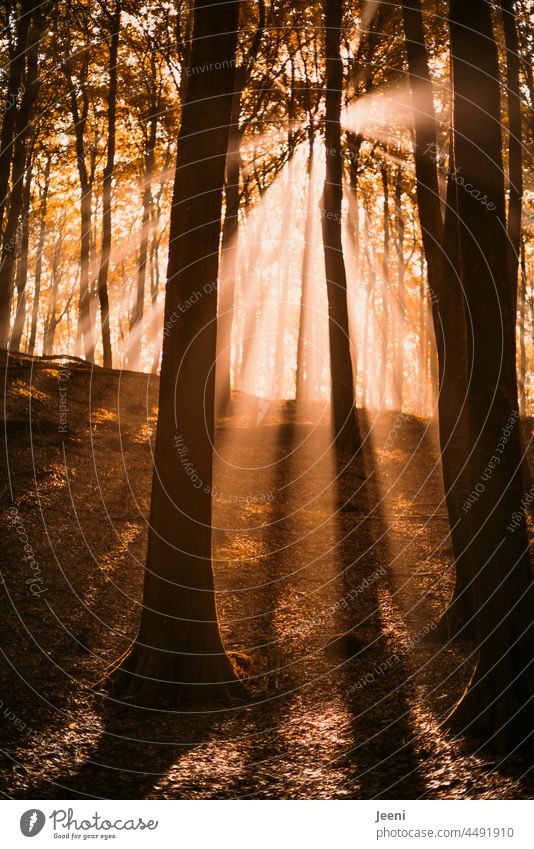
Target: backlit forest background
x,y
267,347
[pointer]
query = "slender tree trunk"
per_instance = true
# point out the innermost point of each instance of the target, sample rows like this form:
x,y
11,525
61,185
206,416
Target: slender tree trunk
x,y
345,424
21,276
39,259
522,341
497,705
303,348
446,298
229,252
51,318
229,247
398,369
103,296
386,288
134,345
85,323
178,655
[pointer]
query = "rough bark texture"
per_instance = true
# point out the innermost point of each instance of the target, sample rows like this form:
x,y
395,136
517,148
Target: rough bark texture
x,y
345,426
178,655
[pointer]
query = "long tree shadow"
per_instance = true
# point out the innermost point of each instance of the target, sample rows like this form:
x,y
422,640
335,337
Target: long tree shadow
x,y
376,686
136,750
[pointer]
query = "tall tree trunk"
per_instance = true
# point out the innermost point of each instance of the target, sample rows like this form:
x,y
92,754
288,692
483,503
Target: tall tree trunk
x,y
386,289
39,259
103,296
14,92
522,341
51,318
515,158
21,275
29,82
497,705
345,424
398,369
79,118
229,247
229,251
446,298
303,343
134,345
178,655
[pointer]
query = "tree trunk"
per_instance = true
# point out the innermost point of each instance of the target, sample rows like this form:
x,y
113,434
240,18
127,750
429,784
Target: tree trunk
x,y
14,91
303,347
522,341
178,655
29,82
39,259
446,298
398,369
386,288
79,118
103,296
136,325
496,706
345,424
51,318
515,159
21,276
229,251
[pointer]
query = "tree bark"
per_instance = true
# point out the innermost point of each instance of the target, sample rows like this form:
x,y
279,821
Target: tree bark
x,y
79,118
178,656
103,295
386,288
14,91
229,247
303,347
398,369
496,706
39,259
446,298
515,158
21,275
15,163
345,424
136,329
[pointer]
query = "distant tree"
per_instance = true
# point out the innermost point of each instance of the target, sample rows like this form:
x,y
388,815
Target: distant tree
x,y
78,88
178,655
39,259
230,231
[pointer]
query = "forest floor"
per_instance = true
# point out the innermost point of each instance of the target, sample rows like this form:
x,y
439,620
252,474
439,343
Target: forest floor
x,y
303,553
